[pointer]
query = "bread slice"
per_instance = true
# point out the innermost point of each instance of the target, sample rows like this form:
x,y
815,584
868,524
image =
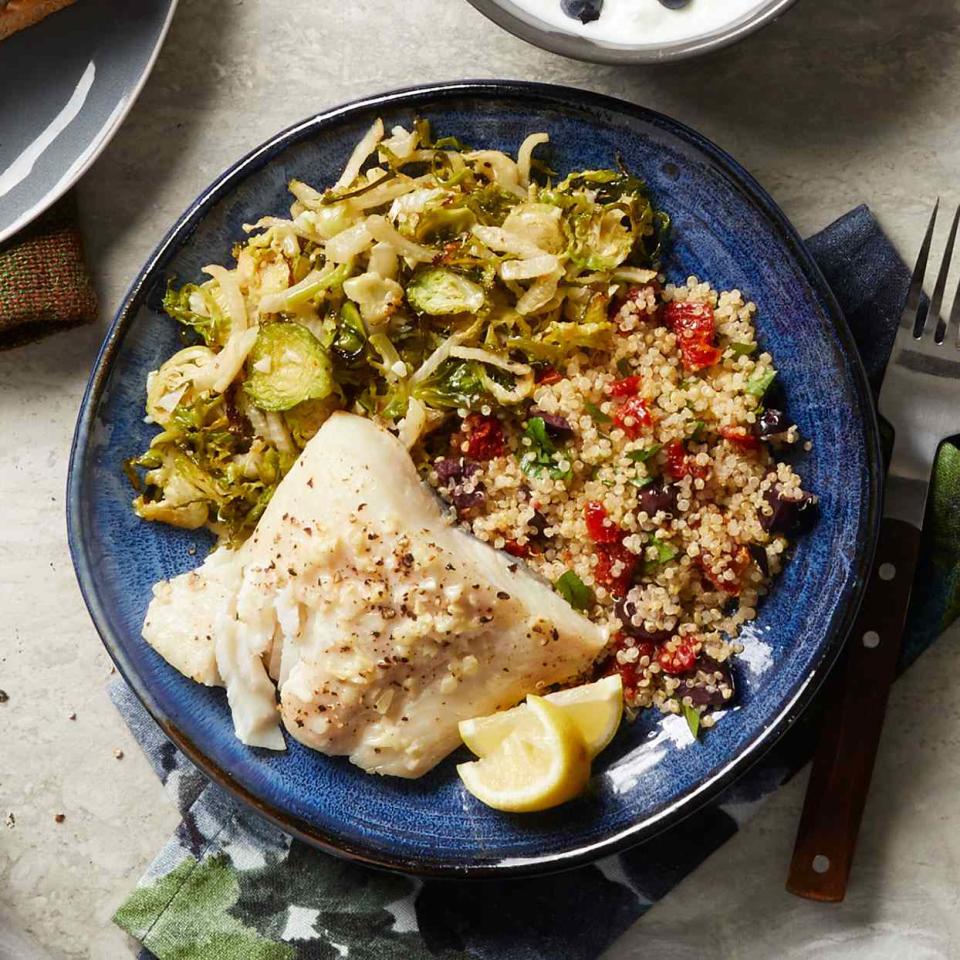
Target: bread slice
x,y
17,14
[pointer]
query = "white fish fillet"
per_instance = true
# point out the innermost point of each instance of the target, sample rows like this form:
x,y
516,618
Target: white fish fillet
x,y
181,622
383,624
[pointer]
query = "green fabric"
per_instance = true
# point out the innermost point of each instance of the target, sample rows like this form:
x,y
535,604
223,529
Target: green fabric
x,y
935,603
197,910
185,916
44,282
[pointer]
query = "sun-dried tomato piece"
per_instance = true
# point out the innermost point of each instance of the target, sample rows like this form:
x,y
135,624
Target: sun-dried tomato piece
x,y
677,463
626,387
715,568
599,527
694,326
548,376
484,437
631,671
517,549
741,437
690,319
633,416
680,464
678,657
615,568
697,355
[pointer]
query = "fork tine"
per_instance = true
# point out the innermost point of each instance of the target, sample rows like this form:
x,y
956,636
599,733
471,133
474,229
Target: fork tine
x,y
913,315
936,301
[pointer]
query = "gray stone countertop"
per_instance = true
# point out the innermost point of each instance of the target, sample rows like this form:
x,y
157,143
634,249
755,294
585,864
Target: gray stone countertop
x,y
837,103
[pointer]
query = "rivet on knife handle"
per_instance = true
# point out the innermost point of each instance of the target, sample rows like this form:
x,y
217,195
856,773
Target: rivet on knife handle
x,y
855,701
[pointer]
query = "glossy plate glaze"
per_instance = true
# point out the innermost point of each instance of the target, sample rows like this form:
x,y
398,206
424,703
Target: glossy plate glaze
x,y
726,229
67,83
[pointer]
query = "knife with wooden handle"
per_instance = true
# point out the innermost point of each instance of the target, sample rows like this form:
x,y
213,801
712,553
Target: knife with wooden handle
x,y
856,702
920,399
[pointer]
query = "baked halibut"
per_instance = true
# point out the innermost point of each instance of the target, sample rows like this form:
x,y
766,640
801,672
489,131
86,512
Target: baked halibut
x,y
380,623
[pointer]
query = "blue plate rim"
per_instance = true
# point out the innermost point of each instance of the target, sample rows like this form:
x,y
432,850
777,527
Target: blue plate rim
x,y
549,95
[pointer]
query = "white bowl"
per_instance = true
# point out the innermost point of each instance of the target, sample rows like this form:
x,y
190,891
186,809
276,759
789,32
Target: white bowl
x,y
529,27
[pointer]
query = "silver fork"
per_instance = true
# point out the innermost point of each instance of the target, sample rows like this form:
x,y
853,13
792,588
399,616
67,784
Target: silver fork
x,y
920,399
924,364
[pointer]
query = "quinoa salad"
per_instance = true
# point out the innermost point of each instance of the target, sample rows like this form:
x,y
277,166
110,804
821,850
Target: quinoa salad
x,y
643,482
614,432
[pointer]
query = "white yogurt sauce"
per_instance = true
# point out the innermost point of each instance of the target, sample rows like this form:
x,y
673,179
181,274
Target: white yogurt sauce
x,y
644,21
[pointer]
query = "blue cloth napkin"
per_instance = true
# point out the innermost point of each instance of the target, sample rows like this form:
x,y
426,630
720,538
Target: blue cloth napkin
x,y
230,886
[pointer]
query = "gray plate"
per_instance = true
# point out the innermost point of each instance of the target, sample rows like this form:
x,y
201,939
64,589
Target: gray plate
x,y
65,86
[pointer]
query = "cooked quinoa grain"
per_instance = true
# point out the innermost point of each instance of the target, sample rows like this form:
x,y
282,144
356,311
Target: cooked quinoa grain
x,y
642,475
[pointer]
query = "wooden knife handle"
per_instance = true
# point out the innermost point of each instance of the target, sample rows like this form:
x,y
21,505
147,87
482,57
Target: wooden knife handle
x,y
855,702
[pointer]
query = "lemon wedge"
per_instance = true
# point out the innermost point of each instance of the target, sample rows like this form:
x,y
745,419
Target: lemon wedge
x,y
541,763
596,709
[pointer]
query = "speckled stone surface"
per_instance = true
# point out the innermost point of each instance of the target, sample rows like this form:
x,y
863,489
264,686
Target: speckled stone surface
x,y
835,104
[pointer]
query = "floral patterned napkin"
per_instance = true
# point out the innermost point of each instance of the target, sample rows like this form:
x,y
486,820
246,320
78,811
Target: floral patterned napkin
x,y
230,886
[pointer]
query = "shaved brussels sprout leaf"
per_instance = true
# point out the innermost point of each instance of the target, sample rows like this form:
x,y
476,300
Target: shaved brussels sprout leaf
x,y
335,196
456,383
307,417
289,365
441,292
350,338
180,304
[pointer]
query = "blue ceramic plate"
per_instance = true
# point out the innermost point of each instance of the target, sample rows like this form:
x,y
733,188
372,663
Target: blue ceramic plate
x,y
67,83
726,229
